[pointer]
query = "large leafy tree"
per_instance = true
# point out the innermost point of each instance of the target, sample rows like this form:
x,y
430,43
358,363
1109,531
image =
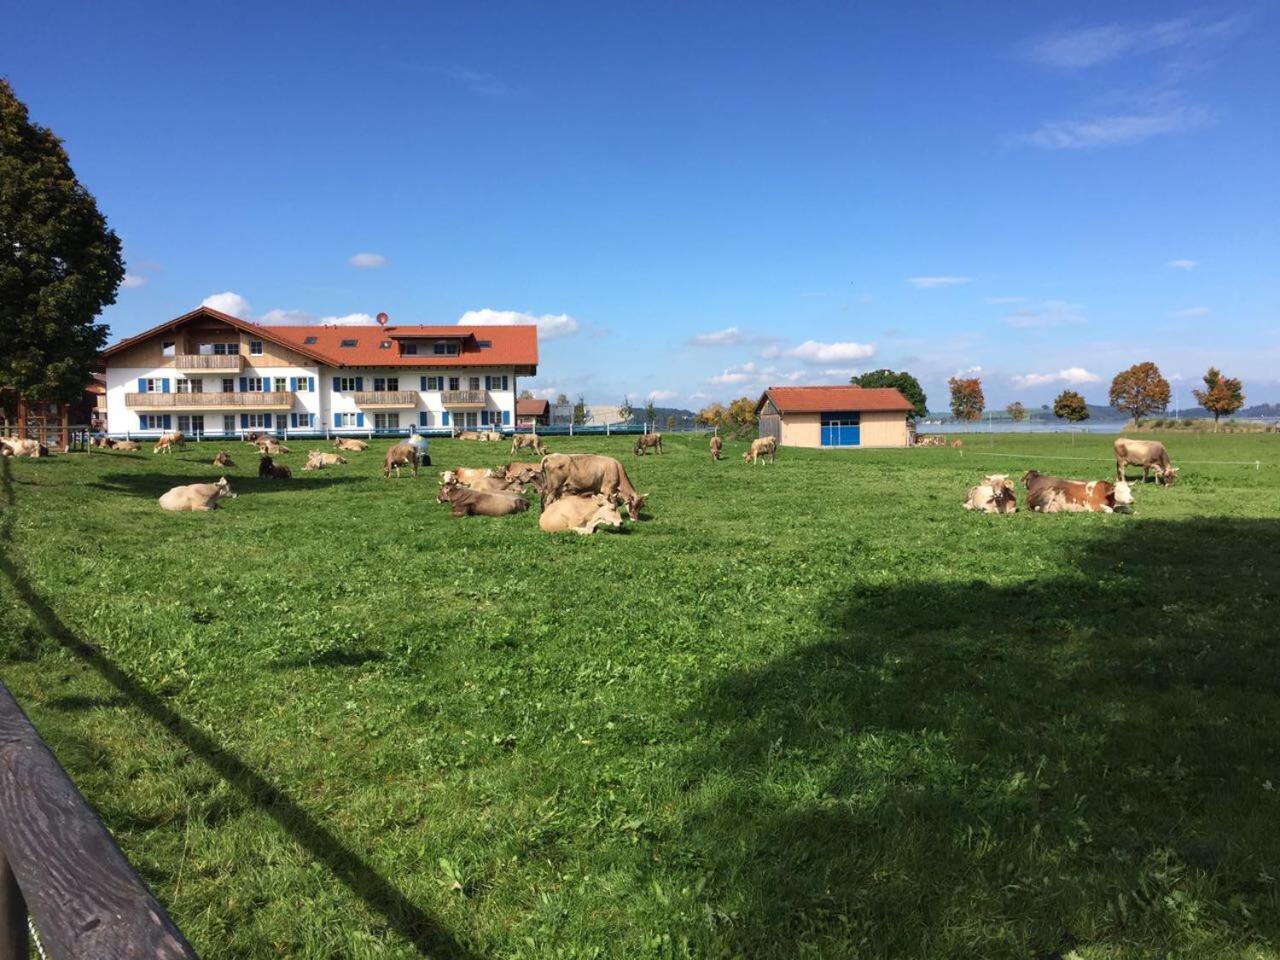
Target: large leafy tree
x,y
60,263
1221,395
903,382
1017,412
1140,390
1070,405
967,401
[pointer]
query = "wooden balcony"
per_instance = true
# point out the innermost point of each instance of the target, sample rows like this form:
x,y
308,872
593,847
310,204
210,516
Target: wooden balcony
x,y
201,361
209,401
464,398
385,399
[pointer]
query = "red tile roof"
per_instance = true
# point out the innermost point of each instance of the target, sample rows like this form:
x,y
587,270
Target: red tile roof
x,y
835,399
528,407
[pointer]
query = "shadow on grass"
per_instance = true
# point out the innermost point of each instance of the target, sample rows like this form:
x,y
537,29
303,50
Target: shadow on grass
x,y
330,658
152,485
378,894
969,770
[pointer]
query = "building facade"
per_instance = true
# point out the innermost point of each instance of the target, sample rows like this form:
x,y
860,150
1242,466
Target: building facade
x,y
208,373
835,416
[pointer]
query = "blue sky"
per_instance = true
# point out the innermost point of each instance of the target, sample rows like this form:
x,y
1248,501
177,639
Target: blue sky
x,y
697,200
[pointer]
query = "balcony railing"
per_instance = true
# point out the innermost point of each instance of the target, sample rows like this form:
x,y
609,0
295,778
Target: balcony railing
x,y
386,398
210,401
463,398
201,361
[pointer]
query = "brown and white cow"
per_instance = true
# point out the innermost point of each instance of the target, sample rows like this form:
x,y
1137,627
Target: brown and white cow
x,y
350,444
580,512
1149,455
994,495
223,460
530,442
318,459
762,447
481,503
400,455
168,441
268,469
716,446
1047,494
567,473
13,447
650,441
197,496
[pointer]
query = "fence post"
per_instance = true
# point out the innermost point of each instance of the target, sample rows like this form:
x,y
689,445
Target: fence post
x,y
13,916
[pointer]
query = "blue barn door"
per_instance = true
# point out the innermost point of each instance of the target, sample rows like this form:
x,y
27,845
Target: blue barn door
x,y
841,429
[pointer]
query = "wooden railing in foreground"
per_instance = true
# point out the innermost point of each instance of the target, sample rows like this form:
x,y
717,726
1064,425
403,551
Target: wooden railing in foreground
x,y
59,864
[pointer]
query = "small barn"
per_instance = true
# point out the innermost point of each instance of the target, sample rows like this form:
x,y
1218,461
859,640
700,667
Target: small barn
x,y
834,416
531,412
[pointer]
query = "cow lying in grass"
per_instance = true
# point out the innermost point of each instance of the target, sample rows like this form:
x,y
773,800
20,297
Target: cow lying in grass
x,y
567,473
400,455
12,447
532,442
271,448
464,475
652,441
128,446
994,495
480,503
318,459
197,496
519,471
168,441
222,460
763,447
580,512
1150,455
1055,495
350,445
268,469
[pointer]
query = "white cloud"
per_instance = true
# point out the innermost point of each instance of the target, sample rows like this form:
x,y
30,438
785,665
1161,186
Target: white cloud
x,y
929,283
657,396
699,395
841,372
747,373
1085,47
1191,312
1047,313
968,371
367,261
287,318
718,338
350,320
1074,376
1183,264
550,326
228,302
132,281
1115,130
814,351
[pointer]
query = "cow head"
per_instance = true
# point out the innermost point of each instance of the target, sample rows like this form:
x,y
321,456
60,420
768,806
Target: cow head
x,y
224,489
1168,475
1123,496
746,457
447,491
1029,476
606,513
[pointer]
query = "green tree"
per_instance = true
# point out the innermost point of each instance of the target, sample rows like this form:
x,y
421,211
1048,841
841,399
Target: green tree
x,y
625,410
742,413
1220,395
60,263
903,382
1069,405
581,413
967,401
1017,412
1140,390
650,412
671,421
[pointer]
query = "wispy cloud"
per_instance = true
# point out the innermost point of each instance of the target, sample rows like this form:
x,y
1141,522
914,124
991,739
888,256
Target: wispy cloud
x,y
1006,300
1075,376
479,82
929,283
367,261
1047,313
1084,47
657,396
1183,264
1187,312
550,325
132,281
1115,129
718,338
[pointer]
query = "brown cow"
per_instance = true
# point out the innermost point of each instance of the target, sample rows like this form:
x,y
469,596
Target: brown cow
x,y
351,445
716,446
762,447
400,455
957,443
565,473
480,503
520,471
318,459
222,460
465,475
486,485
582,513
129,446
1147,454
13,447
650,441
469,435
531,441
197,496
1056,495
168,441
268,469
994,495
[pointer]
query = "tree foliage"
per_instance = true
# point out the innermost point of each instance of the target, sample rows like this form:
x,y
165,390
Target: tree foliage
x,y
1069,405
525,394
650,412
60,264
625,410
581,412
1140,390
1221,395
737,419
967,401
1017,412
903,382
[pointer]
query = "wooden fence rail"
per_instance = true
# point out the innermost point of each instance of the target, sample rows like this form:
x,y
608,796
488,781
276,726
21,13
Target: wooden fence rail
x,y
60,865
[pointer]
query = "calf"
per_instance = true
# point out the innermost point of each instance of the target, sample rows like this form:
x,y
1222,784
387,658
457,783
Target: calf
x,y
480,503
566,473
270,470
716,446
351,445
532,442
651,441
1149,455
581,513
317,459
400,455
168,441
994,495
1056,495
197,496
762,447
222,460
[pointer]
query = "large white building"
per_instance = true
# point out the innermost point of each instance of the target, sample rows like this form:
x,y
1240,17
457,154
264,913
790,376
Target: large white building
x,y
208,373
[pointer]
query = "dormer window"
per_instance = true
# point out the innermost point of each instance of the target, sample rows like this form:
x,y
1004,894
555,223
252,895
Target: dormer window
x,y
446,348
410,349
484,343
309,340
347,343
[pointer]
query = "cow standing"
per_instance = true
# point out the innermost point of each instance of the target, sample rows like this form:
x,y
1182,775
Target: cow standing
x,y
567,473
1149,455
168,441
532,442
716,446
650,441
763,447
400,455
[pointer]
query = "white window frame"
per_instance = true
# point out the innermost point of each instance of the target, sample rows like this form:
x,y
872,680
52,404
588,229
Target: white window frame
x,y
255,348
228,423
346,384
389,421
279,384
249,385
257,421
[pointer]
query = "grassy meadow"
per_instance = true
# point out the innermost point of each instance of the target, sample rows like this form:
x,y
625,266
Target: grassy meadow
x,y
807,710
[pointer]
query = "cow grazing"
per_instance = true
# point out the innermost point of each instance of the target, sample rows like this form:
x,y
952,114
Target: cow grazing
x,y
400,455
716,446
318,459
480,503
12,447
168,441
566,473
350,445
1047,494
957,443
650,441
581,513
1150,455
994,495
222,460
197,496
270,470
128,446
762,447
531,442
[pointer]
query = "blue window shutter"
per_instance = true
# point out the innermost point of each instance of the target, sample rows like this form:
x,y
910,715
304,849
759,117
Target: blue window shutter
x,y
506,418
311,419
293,419
359,419
422,418
311,383
424,384
266,420
164,384
293,383
244,421
444,418
244,384
337,384
168,422
359,383
504,382
142,384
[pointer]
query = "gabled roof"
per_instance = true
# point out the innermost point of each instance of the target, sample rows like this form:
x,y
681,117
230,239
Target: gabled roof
x,y
835,399
529,407
478,345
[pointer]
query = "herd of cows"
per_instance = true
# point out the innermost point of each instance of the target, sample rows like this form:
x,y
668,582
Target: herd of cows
x,y
1046,494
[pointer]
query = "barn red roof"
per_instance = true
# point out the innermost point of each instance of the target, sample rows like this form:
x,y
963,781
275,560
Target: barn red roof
x,y
528,407
835,399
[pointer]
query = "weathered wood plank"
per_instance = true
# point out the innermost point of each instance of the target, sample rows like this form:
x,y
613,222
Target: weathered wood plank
x,y
85,899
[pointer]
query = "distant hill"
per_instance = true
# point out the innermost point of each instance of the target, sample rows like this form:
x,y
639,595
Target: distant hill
x,y
684,418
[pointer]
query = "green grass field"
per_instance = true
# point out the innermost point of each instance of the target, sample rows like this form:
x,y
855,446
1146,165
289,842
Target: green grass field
x,y
814,709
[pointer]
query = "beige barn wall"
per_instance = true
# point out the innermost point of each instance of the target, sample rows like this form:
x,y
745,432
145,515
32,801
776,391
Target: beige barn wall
x,y
149,354
801,430
883,429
